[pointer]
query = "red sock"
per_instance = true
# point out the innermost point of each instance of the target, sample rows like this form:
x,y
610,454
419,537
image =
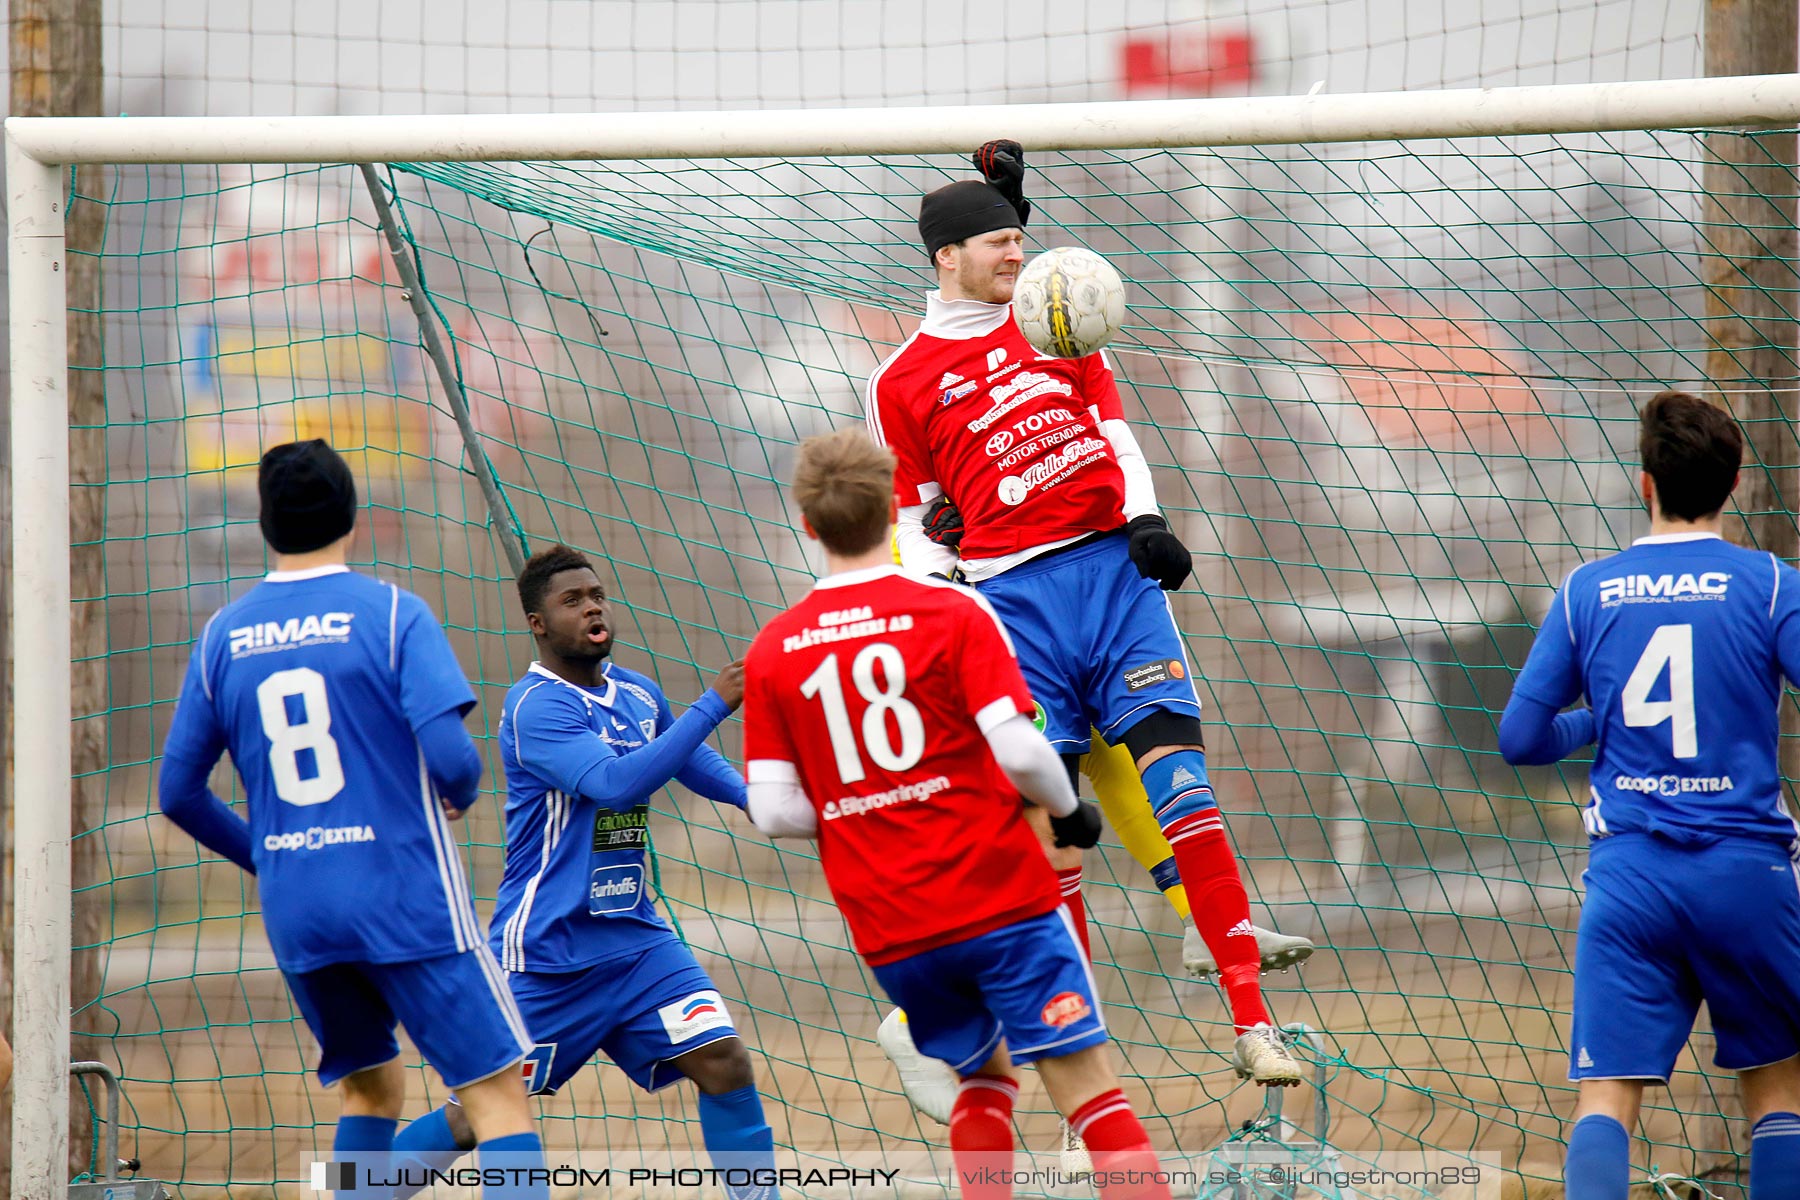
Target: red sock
x,y
1071,894
1221,910
981,1136
1117,1140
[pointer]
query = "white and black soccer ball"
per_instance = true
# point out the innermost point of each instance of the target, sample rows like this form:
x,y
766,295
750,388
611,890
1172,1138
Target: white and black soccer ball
x,y
1069,302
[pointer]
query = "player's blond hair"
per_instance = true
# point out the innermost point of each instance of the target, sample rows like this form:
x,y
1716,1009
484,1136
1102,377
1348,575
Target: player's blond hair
x,y
844,484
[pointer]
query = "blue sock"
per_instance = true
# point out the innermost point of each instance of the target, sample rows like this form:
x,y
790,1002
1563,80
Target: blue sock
x,y
516,1151
1599,1162
1775,1157
425,1145
738,1138
1177,786
365,1141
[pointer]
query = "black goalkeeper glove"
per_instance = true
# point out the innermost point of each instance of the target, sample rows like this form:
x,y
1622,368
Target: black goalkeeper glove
x,y
1157,553
1002,163
1080,829
943,523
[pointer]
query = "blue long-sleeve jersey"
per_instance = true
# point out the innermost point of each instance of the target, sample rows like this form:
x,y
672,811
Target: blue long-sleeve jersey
x,y
319,683
581,766
1680,645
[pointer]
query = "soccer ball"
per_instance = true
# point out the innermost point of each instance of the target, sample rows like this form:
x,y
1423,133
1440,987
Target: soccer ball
x,y
1069,302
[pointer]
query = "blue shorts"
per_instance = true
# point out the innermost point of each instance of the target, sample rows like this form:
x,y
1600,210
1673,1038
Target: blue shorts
x,y
456,1009
1664,927
1097,642
640,1011
1028,983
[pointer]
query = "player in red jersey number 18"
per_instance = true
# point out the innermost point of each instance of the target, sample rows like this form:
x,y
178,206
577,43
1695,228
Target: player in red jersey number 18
x,y
886,717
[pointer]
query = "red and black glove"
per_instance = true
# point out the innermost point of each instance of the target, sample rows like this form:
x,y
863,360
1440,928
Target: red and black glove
x,y
1002,163
943,523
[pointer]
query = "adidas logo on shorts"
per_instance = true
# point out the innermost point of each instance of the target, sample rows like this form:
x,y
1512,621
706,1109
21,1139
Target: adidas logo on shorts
x,y
1583,1058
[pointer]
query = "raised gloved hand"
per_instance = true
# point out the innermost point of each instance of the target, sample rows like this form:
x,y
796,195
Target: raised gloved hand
x,y
1157,553
943,523
1002,163
1080,828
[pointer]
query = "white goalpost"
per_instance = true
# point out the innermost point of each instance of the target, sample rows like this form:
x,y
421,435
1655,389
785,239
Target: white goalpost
x,y
40,151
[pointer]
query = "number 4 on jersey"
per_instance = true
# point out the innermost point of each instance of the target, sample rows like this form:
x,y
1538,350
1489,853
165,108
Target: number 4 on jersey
x,y
884,697
1671,646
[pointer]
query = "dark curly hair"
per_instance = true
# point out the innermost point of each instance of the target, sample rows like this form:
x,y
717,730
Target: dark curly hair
x,y
535,575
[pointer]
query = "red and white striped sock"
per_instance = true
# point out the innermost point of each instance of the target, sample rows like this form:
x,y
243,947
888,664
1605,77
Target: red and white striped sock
x,y
1124,1162
981,1136
1221,910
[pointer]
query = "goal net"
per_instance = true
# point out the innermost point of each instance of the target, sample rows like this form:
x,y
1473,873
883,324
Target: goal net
x,y
1388,390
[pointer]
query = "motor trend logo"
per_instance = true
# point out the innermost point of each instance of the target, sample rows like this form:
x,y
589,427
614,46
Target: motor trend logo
x,y
1663,589
261,637
694,1015
906,793
1065,1008
1055,437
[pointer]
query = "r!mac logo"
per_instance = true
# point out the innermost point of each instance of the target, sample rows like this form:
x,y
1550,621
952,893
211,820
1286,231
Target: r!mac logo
x,y
1648,589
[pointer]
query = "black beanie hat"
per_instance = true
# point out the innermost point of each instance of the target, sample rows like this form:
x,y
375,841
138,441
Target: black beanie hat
x,y
965,209
308,496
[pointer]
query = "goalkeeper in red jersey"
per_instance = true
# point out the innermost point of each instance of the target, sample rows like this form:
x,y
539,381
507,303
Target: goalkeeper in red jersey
x,y
1063,538
886,716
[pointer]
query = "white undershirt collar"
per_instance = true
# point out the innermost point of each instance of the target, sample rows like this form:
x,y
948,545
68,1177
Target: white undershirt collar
x,y
959,320
308,573
1669,539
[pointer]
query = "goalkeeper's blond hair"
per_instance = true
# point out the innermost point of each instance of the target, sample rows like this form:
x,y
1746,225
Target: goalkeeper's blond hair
x,y
844,485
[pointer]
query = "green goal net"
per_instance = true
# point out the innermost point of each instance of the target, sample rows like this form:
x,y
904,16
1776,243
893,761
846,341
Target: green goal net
x,y
1388,391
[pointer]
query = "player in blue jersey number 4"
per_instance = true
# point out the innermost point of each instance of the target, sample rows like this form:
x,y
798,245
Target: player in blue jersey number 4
x,y
341,705
594,967
1680,645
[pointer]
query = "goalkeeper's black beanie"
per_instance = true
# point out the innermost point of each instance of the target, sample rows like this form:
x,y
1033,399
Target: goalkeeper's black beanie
x,y
308,496
965,209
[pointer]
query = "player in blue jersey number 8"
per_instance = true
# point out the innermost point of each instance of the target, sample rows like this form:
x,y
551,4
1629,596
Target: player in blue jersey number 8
x,y
1680,644
330,690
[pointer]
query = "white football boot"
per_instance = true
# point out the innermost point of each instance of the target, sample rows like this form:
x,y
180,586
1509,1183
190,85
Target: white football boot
x,y
929,1084
1262,1055
1075,1161
1278,951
